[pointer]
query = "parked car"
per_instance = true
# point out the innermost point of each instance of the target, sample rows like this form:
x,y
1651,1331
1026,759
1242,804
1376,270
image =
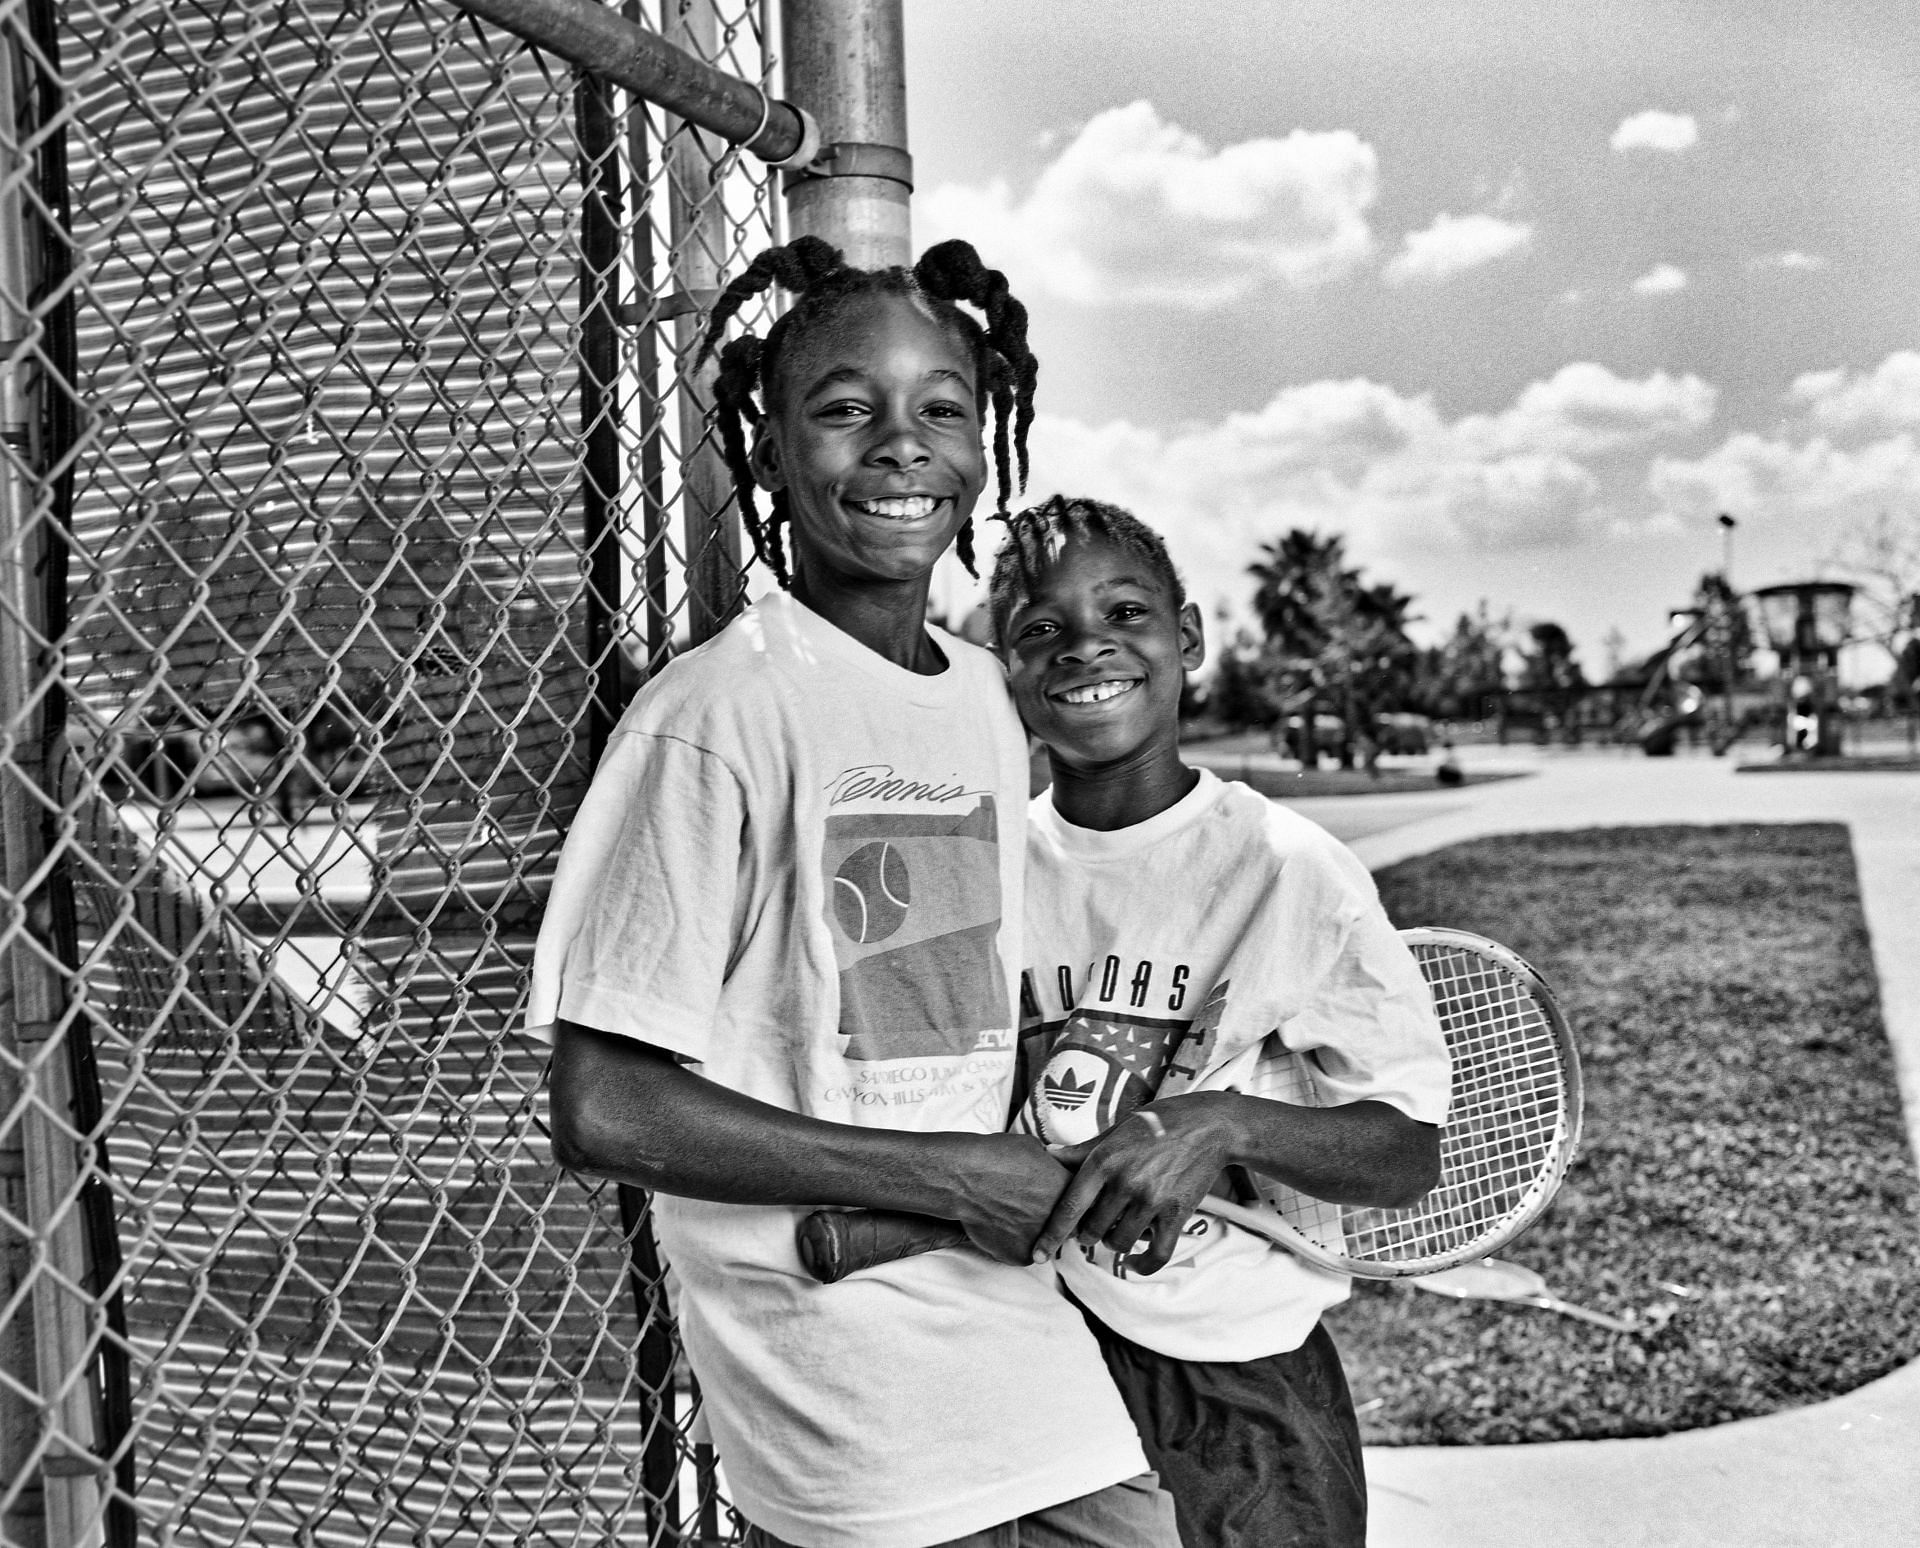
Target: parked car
x,y
1404,733
1329,736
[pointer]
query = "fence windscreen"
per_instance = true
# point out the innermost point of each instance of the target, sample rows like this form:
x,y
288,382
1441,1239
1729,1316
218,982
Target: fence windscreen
x,y
356,472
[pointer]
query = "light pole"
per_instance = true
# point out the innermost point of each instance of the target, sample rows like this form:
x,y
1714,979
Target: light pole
x,y
1730,599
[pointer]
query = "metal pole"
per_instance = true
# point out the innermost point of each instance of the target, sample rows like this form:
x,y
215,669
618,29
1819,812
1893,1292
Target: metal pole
x,y
660,1440
648,405
845,63
1729,602
599,363
699,254
55,1153
598,38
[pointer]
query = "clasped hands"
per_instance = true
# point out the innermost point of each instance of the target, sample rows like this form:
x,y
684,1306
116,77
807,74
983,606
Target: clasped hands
x,y
1143,1178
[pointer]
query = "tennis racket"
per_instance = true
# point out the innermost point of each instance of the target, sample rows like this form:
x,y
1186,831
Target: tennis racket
x,y
1512,1126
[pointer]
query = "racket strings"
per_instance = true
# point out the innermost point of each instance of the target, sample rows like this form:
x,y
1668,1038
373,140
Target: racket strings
x,y
1506,1121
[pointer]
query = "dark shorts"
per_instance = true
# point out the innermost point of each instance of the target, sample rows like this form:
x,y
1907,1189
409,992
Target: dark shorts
x,y
1262,1454
1132,1514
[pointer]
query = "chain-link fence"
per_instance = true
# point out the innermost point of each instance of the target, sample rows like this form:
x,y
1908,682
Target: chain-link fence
x,y
353,476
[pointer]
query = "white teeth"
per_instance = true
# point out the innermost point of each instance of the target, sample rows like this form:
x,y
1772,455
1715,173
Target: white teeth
x,y
1097,693
903,507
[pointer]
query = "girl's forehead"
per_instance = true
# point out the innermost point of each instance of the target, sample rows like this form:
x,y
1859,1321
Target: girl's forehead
x,y
1077,562
875,334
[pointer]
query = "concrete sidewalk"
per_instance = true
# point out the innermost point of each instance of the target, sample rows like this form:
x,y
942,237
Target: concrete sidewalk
x,y
1845,1472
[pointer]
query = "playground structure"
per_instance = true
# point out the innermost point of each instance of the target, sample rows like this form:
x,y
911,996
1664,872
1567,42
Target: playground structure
x,y
1806,624
1669,706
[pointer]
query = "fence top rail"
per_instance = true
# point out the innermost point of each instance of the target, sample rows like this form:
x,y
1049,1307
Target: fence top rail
x,y
600,39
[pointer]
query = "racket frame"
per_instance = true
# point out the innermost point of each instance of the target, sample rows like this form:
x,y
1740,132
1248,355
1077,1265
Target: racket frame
x,y
1266,1221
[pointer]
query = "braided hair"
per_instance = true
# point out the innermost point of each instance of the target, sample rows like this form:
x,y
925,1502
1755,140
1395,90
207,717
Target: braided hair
x,y
1005,369
1037,536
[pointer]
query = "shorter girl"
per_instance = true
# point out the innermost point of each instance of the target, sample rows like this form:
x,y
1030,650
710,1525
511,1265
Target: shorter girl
x,y
1210,986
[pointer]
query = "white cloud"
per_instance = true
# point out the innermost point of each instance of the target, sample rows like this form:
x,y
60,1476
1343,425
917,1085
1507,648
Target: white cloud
x,y
1584,410
1794,259
1809,485
1850,453
1663,279
1385,469
1656,131
1886,398
1453,244
1135,209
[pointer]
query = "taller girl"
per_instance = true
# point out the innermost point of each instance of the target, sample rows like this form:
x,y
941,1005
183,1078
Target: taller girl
x,y
779,955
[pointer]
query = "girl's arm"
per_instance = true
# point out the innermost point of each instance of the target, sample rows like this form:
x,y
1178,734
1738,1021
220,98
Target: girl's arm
x,y
627,1111
1147,1174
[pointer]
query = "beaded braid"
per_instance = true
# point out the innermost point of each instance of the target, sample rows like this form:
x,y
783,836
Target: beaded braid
x,y
733,390
1037,535
1005,369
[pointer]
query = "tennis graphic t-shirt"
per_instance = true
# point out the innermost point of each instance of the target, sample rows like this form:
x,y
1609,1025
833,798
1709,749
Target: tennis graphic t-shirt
x,y
799,869
1224,944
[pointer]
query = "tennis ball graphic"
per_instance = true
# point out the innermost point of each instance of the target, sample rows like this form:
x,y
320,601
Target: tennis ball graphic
x,y
871,892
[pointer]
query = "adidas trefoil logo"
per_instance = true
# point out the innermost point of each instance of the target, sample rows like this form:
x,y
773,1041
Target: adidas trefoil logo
x,y
1065,1093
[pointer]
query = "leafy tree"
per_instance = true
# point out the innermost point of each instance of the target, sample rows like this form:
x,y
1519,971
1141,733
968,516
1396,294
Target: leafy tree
x,y
1728,640
1881,556
1550,672
1614,643
1245,690
1460,676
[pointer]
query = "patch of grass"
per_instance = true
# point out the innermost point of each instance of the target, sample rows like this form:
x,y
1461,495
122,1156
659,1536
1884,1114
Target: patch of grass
x,y
1744,1142
1847,764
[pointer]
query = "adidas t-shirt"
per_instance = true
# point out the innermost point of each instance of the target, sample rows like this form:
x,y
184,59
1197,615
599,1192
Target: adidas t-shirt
x,y
1224,944
798,869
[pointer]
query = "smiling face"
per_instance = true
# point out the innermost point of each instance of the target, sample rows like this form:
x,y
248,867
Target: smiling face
x,y
1097,651
875,435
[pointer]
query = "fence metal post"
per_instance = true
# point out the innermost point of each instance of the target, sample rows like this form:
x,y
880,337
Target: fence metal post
x,y
652,609
608,618
35,1018
23,1519
845,64
600,407
698,258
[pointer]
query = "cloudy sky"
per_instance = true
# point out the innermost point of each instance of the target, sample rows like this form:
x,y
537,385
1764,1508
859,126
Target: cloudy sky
x,y
1518,295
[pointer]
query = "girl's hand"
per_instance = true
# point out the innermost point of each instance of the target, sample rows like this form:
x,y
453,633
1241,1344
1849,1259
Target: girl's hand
x,y
1004,1188
1144,1177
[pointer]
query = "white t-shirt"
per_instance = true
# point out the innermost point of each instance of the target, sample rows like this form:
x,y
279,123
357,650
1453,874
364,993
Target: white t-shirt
x,y
792,871
1224,944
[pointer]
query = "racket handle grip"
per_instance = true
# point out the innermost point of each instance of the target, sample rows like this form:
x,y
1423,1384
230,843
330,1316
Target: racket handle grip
x,y
837,1242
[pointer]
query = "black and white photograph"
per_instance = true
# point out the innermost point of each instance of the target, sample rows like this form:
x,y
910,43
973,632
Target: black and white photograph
x,y
889,774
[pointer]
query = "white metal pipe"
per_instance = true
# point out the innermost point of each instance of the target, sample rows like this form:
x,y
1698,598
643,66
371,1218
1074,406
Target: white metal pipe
x,y
845,64
598,38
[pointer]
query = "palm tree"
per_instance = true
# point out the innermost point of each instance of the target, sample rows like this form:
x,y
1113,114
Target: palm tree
x,y
1295,572
1336,642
